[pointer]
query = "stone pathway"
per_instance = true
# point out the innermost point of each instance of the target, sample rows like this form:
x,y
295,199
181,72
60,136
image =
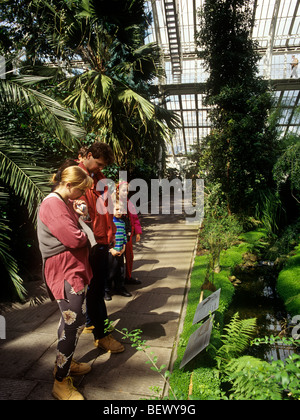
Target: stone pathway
x,y
163,261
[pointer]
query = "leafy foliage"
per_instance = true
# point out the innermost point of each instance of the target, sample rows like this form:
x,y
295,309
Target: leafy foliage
x,y
24,167
248,376
45,110
6,259
243,145
236,339
111,92
220,232
24,175
254,379
287,167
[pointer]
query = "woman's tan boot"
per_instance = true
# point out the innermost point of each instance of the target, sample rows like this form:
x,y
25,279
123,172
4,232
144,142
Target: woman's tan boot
x,y
76,368
65,390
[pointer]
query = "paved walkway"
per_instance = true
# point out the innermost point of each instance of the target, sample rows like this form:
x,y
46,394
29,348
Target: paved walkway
x,y
162,262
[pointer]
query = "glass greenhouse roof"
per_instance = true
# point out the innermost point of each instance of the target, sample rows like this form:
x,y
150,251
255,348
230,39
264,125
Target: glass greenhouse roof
x,y
276,28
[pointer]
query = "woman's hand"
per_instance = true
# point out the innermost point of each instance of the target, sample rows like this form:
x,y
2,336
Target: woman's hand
x,y
80,207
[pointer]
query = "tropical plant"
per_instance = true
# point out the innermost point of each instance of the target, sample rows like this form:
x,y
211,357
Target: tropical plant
x,y
269,211
24,167
255,379
236,339
252,378
243,144
46,111
6,259
287,168
111,92
115,91
220,232
248,377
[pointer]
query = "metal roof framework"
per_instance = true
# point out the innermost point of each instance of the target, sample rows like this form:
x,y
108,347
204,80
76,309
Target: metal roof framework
x,y
276,27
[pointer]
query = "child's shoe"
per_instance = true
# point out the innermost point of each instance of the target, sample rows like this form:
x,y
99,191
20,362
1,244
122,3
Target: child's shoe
x,y
123,292
107,296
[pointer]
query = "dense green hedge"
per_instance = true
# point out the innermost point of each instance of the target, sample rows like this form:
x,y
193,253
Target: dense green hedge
x,y
288,284
201,371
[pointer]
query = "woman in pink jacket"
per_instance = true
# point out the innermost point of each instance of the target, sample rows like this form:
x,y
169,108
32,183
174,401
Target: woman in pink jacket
x,y
64,241
136,230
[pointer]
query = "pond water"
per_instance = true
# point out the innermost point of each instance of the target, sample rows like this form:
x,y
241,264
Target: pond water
x,y
256,297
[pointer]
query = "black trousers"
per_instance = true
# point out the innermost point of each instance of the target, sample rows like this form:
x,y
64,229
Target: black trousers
x,y
116,272
96,308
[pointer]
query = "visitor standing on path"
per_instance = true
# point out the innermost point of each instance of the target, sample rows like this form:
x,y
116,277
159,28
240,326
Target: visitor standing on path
x,y
294,65
116,259
136,230
97,157
66,270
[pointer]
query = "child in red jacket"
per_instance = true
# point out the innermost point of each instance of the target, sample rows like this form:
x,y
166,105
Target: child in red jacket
x,y
136,230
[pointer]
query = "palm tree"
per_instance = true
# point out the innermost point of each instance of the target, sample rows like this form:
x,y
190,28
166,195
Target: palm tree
x,y
22,165
111,96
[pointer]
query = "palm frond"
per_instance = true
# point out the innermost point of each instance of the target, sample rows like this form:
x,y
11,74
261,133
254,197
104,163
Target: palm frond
x,y
145,63
27,80
6,259
86,90
88,10
135,102
19,171
105,115
47,111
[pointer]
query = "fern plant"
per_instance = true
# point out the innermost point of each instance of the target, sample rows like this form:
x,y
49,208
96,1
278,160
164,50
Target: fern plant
x,y
236,339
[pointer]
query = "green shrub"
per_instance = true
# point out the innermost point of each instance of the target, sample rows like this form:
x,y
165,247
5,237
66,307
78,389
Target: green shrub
x,y
288,284
254,237
205,379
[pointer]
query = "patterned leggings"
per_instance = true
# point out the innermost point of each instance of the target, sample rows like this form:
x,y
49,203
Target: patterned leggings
x,y
72,323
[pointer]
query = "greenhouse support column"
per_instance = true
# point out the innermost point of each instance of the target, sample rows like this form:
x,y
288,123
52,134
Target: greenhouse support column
x,y
271,38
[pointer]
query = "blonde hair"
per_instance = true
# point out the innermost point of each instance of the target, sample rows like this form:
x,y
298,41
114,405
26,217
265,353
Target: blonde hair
x,y
75,176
